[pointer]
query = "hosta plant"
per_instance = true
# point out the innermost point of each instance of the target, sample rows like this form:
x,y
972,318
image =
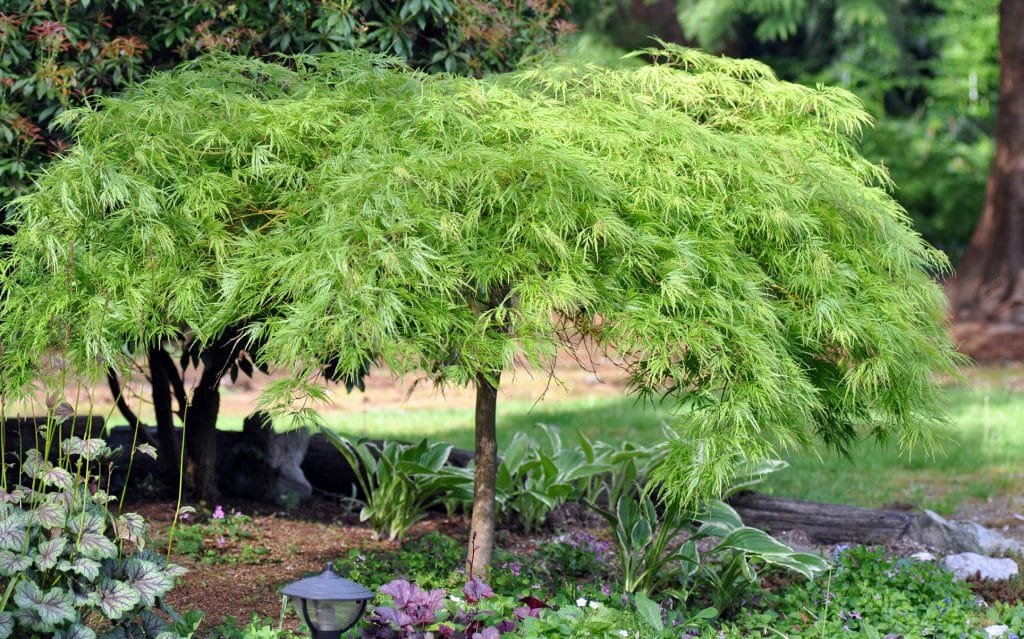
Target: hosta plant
x,y
399,482
659,552
71,568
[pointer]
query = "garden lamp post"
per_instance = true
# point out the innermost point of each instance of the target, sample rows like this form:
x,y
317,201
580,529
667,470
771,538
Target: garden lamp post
x,y
328,603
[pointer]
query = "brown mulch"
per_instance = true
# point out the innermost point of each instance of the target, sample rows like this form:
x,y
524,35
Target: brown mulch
x,y
989,343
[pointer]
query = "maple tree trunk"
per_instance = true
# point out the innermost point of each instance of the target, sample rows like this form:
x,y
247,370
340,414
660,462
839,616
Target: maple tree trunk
x,y
201,420
481,532
169,457
989,284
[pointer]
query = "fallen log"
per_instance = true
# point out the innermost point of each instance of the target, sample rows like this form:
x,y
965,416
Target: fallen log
x,y
823,523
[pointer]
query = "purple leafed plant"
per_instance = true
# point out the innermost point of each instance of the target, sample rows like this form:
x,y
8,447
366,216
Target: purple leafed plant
x,y
413,606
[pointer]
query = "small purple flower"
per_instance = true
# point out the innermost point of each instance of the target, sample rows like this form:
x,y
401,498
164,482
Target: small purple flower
x,y
838,550
220,542
475,590
606,590
218,512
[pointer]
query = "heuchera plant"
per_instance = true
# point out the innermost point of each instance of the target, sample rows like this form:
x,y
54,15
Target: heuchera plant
x,y
71,566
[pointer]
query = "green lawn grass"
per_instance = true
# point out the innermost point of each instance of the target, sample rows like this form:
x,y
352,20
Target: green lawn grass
x,y
983,456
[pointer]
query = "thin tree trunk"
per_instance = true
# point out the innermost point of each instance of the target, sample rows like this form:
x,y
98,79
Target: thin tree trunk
x,y
168,442
989,284
481,534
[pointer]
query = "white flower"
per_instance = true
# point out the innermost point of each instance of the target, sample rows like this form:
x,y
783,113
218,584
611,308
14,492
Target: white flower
x,y
623,633
454,598
595,605
581,602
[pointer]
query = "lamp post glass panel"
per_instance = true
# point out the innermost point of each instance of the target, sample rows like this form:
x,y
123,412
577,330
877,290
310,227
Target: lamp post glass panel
x,y
328,603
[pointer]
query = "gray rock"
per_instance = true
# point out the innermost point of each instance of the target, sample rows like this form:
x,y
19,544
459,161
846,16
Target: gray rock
x,y
932,530
997,631
969,564
923,556
285,452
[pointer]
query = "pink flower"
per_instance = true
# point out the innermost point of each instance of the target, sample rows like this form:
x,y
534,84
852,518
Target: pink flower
x,y
220,542
218,512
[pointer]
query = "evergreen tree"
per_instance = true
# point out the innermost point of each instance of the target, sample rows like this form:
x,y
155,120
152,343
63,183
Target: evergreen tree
x,y
709,226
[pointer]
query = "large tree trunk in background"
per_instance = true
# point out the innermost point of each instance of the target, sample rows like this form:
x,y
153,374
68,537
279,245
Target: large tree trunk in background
x,y
989,284
481,533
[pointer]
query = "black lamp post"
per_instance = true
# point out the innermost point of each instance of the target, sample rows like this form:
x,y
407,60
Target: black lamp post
x,y
329,603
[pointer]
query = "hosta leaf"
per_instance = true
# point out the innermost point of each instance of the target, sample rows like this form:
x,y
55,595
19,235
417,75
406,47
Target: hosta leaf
x,y
116,598
88,568
88,449
50,514
58,477
49,552
6,625
49,609
148,580
77,631
96,546
12,532
12,563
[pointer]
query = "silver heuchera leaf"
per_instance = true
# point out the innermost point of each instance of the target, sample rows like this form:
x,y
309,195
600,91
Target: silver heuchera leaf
x,y
16,496
174,570
77,631
87,449
95,546
86,523
32,464
89,598
131,527
116,598
46,610
57,476
146,449
148,580
6,625
49,552
88,568
13,563
50,514
12,532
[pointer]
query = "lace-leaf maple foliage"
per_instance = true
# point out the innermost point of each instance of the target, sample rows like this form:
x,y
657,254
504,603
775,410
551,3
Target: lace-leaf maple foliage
x,y
713,226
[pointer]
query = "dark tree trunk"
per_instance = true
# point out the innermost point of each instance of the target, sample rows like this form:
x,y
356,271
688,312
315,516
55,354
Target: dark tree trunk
x,y
201,421
481,533
989,284
160,378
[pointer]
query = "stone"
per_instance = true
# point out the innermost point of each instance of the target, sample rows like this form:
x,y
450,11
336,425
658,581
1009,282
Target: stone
x,y
969,564
923,556
997,630
934,531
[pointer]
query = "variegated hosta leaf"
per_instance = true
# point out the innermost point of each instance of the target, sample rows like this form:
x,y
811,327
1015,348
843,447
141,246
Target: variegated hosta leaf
x,y
86,523
50,514
32,463
77,631
46,609
95,546
11,563
12,532
87,449
116,598
147,579
49,552
57,476
88,568
6,625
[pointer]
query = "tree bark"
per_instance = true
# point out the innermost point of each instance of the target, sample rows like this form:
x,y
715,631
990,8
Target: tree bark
x,y
201,421
989,284
481,532
169,453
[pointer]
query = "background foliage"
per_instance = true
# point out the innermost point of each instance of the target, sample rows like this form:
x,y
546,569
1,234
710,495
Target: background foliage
x,y
58,53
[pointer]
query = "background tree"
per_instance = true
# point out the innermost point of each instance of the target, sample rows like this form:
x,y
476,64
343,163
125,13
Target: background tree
x,y
989,283
54,56
707,225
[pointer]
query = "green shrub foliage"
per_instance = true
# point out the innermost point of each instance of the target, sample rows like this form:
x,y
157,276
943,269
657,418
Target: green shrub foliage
x,y
57,54
707,224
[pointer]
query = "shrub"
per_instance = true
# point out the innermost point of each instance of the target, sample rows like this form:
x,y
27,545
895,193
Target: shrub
x,y
70,565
